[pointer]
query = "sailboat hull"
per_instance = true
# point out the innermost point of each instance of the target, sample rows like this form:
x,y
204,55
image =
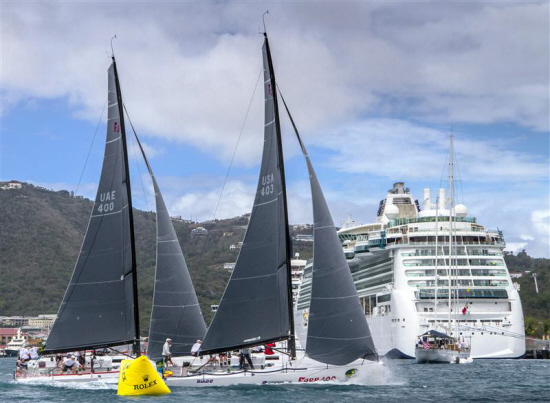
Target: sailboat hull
x,y
439,356
302,371
45,370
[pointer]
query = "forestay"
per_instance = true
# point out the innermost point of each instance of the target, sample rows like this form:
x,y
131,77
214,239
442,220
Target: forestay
x,y
255,306
98,306
338,332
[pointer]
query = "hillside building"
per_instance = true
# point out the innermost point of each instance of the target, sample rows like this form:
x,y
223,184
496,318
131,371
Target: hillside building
x,y
198,232
11,185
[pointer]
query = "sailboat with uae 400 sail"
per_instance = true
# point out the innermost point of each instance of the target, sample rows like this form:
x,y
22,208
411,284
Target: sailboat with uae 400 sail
x,y
99,309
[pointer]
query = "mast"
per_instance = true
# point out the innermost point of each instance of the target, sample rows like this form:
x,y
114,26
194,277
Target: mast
x,y
136,345
436,256
291,340
451,213
261,280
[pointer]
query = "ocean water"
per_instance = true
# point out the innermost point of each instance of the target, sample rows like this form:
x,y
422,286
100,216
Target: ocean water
x,y
480,381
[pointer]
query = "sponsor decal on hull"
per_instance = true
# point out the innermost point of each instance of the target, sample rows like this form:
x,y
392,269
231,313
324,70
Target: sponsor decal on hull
x,y
351,373
317,379
205,380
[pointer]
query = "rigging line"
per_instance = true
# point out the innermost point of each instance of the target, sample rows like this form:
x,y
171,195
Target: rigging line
x,y
81,176
230,166
460,178
135,156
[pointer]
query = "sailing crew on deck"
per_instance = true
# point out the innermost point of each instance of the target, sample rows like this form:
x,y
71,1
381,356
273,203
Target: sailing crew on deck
x,y
24,354
269,349
223,358
195,349
69,364
244,353
82,358
34,353
58,360
166,353
24,358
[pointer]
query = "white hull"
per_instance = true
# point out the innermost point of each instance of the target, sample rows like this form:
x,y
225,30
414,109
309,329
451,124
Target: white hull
x,y
302,371
110,377
441,356
487,340
106,370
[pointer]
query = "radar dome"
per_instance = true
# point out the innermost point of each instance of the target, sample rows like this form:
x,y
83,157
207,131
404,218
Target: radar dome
x,y
391,211
461,210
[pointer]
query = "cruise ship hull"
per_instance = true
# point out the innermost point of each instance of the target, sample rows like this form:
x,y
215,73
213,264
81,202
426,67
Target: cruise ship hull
x,y
397,341
432,269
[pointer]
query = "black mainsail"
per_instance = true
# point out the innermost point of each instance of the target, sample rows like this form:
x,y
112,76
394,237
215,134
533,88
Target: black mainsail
x,y
99,308
338,332
256,306
176,312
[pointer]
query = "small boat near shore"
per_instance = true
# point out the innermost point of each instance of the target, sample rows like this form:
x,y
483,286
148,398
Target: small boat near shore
x,y
439,348
14,345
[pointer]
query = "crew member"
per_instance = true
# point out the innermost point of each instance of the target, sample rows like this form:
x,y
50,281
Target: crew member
x,y
24,354
195,349
34,353
69,364
167,354
269,349
244,353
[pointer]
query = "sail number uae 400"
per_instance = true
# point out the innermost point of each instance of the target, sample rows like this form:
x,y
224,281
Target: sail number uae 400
x,y
267,184
106,201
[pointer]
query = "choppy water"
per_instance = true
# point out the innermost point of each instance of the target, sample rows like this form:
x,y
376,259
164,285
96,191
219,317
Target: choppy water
x,y
481,381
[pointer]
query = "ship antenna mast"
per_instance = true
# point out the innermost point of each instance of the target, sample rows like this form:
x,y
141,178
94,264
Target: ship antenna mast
x,y
451,214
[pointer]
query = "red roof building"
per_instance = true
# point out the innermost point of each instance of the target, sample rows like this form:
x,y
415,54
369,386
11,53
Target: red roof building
x,y
7,333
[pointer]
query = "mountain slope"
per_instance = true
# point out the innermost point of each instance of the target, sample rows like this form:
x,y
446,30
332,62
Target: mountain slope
x,y
41,232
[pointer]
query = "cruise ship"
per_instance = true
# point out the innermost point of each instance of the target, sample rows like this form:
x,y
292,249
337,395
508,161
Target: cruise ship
x,y
393,262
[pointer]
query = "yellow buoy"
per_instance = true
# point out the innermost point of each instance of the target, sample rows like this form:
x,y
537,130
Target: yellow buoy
x,y
139,377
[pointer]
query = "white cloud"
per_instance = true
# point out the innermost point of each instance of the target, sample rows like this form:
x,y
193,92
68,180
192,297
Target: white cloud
x,y
188,70
515,247
400,149
237,199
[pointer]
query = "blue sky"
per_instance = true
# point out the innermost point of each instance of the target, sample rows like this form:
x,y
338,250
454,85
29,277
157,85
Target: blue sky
x,y
375,89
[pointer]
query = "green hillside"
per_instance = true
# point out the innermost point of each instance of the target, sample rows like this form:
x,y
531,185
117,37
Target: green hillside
x,y
41,232
536,306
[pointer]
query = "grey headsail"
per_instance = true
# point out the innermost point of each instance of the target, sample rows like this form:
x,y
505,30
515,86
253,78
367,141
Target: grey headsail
x,y
256,306
176,312
338,332
100,304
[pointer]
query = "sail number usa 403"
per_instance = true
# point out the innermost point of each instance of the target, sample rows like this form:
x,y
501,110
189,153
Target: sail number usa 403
x,y
106,201
267,184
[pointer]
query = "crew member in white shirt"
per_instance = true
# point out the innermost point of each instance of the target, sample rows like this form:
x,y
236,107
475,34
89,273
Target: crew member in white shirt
x,y
34,353
195,349
24,354
167,354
